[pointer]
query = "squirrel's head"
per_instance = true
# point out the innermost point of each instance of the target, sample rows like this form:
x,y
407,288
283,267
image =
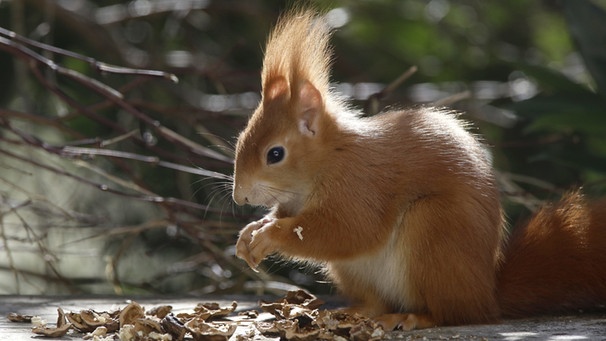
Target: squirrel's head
x,y
280,151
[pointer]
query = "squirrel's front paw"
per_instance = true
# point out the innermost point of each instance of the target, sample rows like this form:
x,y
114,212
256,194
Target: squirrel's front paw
x,y
249,246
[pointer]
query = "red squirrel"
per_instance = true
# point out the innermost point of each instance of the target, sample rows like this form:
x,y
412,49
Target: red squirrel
x,y
401,209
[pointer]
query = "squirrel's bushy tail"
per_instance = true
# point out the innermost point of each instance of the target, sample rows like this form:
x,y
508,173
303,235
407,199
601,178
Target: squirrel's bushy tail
x,y
556,263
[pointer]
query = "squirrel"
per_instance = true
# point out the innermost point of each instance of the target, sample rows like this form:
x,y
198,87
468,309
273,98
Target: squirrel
x,y
401,209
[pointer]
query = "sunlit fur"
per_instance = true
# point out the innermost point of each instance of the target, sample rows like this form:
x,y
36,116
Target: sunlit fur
x,y
298,49
402,208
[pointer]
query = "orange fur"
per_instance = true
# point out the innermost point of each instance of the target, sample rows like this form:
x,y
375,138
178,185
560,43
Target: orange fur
x,y
402,208
557,263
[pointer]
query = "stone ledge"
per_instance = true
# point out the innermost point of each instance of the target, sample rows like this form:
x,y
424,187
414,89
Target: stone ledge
x,y
579,327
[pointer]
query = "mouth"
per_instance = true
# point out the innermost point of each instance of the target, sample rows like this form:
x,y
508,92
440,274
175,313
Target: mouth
x,y
266,202
241,198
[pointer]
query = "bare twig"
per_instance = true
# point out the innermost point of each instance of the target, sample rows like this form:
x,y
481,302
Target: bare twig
x,y
37,198
7,113
47,255
174,202
112,267
398,81
95,64
79,152
373,102
70,151
509,184
113,95
74,142
9,253
452,99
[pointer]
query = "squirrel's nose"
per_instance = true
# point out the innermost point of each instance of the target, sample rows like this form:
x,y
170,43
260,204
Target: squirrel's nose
x,y
240,201
239,197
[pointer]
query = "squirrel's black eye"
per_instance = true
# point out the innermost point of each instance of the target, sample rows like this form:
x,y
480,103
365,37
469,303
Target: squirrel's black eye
x,y
275,155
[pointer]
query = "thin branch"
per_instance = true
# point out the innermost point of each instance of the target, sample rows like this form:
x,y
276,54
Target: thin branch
x,y
79,152
373,101
147,198
95,64
452,99
112,268
89,113
113,95
507,182
398,81
44,251
70,151
36,197
9,254
32,57
5,113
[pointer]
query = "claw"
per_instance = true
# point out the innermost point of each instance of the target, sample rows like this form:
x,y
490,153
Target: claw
x,y
251,262
245,256
254,267
405,321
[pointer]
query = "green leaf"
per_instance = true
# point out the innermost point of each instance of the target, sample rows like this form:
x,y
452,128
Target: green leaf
x,y
552,81
587,23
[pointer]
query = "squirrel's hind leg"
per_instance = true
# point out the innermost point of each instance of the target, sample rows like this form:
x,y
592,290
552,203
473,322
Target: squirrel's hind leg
x,y
407,322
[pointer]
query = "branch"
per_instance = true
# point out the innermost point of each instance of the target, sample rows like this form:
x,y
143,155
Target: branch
x,y
452,99
148,198
372,103
95,64
79,152
70,151
14,46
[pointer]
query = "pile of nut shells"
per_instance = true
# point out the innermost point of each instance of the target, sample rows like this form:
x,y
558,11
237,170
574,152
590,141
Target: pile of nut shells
x,y
295,317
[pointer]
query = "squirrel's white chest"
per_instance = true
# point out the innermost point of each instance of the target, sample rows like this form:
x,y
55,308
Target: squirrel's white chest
x,y
383,273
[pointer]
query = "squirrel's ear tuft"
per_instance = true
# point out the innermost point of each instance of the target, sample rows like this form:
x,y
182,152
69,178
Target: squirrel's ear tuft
x,y
310,108
276,89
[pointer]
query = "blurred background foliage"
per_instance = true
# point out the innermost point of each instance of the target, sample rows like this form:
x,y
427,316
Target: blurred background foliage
x,y
103,192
